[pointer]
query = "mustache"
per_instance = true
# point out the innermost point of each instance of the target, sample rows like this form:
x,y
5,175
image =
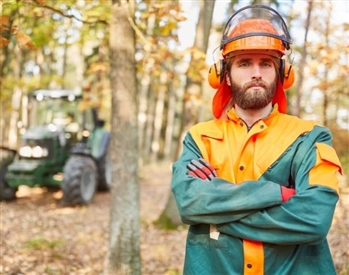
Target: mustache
x,y
253,83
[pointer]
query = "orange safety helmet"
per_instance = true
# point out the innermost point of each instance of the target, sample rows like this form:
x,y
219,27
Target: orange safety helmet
x,y
254,28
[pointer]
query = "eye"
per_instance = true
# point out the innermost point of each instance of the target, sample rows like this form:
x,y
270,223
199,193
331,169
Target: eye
x,y
243,64
267,64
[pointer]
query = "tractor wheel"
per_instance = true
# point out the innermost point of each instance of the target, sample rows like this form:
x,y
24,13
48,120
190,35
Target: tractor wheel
x,y
104,172
7,193
79,180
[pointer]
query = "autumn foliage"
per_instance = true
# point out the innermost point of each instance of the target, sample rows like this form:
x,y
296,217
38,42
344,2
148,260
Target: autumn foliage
x,y
7,31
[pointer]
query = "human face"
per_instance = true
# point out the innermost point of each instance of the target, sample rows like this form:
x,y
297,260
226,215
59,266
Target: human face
x,y
252,79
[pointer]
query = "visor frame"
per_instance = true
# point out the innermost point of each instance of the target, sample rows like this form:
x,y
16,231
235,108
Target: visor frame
x,y
264,12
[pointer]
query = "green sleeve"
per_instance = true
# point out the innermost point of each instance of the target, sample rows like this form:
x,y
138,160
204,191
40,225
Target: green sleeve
x,y
304,218
217,201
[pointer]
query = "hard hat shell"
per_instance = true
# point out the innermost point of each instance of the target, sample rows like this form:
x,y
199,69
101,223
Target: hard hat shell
x,y
256,27
255,42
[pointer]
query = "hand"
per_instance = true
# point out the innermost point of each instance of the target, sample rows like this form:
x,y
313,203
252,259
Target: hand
x,y
287,193
201,169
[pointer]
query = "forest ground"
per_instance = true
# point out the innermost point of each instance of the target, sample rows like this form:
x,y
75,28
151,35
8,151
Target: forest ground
x,y
41,236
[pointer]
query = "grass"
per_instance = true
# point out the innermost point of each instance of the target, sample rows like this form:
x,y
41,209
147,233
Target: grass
x,y
43,244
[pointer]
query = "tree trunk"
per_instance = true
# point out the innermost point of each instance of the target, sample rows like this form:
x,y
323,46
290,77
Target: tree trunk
x,y
159,109
16,103
171,112
142,115
148,135
64,61
169,218
298,109
325,85
193,89
123,256
145,98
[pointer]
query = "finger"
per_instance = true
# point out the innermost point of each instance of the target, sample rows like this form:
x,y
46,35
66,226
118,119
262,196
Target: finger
x,y
202,168
197,174
212,171
208,165
194,172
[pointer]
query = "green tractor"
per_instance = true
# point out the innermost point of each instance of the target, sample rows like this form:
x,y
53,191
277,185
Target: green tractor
x,y
65,146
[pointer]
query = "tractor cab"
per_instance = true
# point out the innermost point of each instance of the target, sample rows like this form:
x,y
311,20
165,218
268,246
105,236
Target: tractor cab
x,y
62,111
62,130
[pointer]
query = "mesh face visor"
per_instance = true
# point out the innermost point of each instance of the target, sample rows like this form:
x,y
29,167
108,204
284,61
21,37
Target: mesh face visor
x,y
255,21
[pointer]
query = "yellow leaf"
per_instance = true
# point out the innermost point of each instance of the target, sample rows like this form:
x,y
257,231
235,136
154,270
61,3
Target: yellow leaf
x,y
4,23
98,67
22,39
30,45
3,42
180,18
159,6
5,20
42,2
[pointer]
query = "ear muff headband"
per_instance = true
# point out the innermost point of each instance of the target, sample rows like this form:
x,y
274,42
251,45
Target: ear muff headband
x,y
216,74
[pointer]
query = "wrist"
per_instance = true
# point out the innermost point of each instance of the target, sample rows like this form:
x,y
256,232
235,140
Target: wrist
x,y
287,193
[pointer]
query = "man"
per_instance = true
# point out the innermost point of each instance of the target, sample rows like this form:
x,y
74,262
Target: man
x,y
257,187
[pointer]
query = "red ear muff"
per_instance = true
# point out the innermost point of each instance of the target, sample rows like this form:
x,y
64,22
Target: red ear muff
x,y
215,74
287,75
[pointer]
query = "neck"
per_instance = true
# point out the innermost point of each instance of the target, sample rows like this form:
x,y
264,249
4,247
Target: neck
x,y
251,116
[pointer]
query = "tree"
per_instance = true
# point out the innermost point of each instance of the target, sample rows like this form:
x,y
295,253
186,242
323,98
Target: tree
x,y
123,255
325,77
33,33
193,93
158,63
302,62
192,99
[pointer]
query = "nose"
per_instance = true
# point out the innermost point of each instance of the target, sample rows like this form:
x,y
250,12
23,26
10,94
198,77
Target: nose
x,y
256,72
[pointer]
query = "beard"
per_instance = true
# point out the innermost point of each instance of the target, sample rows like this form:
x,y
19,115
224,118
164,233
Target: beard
x,y
247,97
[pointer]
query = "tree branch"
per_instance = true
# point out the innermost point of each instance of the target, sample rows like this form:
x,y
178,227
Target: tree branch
x,y
70,16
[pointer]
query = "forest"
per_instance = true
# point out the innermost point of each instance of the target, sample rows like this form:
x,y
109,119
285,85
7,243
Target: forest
x,y
143,66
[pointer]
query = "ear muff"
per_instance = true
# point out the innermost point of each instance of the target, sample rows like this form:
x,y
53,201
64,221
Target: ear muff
x,y
286,74
215,74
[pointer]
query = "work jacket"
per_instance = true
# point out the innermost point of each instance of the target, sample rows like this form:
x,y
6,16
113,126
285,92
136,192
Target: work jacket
x,y
238,222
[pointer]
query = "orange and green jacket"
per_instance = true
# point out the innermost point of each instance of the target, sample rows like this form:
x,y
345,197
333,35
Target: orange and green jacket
x,y
258,233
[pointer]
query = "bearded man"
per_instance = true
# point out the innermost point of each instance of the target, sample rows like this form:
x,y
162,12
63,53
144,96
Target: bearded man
x,y
257,187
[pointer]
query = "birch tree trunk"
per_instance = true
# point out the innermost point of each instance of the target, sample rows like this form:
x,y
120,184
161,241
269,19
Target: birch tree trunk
x,y
123,256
